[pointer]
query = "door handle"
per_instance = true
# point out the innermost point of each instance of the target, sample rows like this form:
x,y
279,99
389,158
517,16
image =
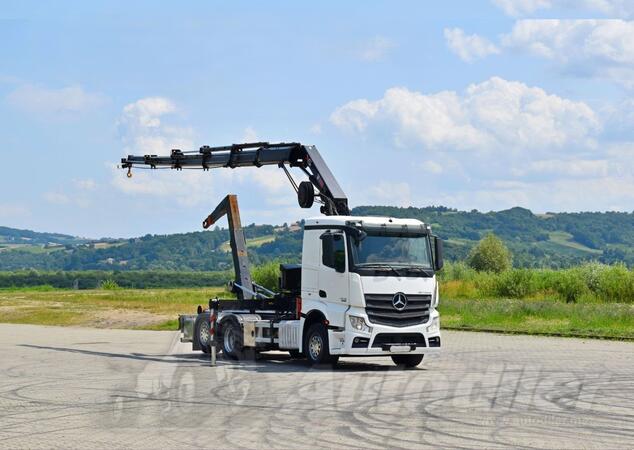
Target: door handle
x,y
322,293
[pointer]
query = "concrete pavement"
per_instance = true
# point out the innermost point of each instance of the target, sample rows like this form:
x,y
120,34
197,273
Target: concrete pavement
x,y
79,387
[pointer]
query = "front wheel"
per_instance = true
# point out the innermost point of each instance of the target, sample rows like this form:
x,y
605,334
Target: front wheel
x,y
316,347
407,361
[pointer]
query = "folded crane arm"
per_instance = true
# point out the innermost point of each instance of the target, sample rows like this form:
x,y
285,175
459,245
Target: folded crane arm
x,y
322,185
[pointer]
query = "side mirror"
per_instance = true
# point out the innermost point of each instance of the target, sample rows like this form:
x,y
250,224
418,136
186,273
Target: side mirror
x,y
360,235
438,262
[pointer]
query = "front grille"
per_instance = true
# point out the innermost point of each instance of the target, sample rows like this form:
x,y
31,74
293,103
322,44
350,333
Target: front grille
x,y
388,339
381,311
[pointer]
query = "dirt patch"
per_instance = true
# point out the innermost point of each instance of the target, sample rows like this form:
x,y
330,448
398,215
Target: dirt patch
x,y
119,318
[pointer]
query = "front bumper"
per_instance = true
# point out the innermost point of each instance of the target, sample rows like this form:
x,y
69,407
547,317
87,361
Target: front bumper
x,y
392,340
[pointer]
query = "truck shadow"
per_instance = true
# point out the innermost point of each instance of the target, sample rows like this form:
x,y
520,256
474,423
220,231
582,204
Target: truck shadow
x,y
169,359
265,362
279,362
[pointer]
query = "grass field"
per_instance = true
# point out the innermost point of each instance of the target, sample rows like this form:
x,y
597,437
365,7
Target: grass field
x,y
158,309
566,240
526,316
129,308
251,243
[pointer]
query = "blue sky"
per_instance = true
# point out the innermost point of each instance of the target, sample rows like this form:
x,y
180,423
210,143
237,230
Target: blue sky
x,y
468,104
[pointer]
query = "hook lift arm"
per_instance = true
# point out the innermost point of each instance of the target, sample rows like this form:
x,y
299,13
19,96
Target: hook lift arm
x,y
243,286
322,185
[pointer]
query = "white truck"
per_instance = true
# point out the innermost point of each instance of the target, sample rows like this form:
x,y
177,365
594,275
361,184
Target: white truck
x,y
366,286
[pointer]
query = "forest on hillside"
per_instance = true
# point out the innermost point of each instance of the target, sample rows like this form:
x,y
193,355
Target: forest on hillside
x,y
551,240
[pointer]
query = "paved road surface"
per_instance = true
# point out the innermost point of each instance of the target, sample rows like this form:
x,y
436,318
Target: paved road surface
x,y
72,387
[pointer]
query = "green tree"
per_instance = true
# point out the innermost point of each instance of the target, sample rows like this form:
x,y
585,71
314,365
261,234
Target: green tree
x,y
490,255
267,275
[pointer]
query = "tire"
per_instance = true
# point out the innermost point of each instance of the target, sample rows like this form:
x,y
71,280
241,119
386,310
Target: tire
x,y
232,340
295,354
316,347
201,332
407,361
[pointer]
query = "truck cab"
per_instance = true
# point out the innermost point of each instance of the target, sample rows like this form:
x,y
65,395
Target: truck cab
x,y
368,288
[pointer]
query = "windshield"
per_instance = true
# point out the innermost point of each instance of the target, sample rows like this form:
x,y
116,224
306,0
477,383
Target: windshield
x,y
392,250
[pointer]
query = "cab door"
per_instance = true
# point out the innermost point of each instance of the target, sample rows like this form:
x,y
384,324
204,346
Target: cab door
x,y
333,275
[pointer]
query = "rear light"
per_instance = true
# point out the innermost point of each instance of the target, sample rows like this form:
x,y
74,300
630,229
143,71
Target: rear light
x,y
298,307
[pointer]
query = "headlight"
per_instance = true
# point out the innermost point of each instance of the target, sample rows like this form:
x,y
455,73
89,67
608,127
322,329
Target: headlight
x,y
434,326
358,323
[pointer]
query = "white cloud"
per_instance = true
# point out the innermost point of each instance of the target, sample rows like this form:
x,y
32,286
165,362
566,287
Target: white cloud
x,y
144,131
249,135
582,194
571,184
12,211
85,185
388,193
432,167
185,188
271,178
565,168
595,48
611,8
354,115
67,100
469,47
315,128
583,47
376,49
56,198
522,7
146,112
76,199
495,115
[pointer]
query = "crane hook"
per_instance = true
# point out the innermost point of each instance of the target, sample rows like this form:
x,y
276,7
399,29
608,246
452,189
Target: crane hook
x,y
129,174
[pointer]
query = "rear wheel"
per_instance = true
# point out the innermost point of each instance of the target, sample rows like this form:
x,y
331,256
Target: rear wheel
x,y
201,332
407,361
232,343
316,347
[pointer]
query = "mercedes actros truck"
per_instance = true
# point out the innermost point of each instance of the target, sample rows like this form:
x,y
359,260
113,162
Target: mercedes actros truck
x,y
366,286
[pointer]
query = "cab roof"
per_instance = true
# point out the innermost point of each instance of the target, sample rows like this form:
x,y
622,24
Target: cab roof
x,y
370,220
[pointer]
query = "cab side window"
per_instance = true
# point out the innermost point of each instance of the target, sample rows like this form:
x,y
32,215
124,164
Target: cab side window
x,y
333,251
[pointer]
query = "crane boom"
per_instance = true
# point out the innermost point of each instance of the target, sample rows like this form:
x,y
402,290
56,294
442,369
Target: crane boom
x,y
258,154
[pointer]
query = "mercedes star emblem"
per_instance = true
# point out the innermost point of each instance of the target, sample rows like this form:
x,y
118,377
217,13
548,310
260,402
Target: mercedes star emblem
x,y
399,301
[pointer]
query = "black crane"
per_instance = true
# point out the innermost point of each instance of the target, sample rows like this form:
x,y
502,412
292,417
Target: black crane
x,y
321,187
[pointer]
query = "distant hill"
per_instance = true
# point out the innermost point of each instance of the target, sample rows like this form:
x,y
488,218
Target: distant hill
x,y
13,236
545,240
537,240
203,250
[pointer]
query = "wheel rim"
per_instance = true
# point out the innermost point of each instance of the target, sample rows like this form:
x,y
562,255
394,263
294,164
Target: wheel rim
x,y
203,334
315,346
229,340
